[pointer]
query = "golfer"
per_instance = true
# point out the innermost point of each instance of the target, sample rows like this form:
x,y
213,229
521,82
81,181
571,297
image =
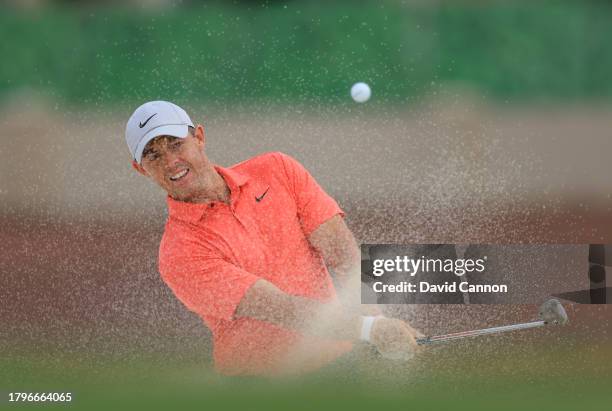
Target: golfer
x,y
248,248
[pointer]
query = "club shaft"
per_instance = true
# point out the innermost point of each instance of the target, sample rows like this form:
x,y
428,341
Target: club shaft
x,y
474,333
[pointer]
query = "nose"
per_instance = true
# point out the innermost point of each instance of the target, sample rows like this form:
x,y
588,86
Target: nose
x,y
171,160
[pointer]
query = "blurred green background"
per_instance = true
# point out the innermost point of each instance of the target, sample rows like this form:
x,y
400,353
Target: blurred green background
x,y
306,51
489,123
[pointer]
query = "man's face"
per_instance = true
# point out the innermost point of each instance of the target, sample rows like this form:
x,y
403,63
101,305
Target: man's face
x,y
178,165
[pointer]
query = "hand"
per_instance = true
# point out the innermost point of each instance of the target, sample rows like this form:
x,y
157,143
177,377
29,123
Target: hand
x,y
394,339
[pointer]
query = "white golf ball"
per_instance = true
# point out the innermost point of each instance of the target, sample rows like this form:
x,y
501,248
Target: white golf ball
x,y
361,92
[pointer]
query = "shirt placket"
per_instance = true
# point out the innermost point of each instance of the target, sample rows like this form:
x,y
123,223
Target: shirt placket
x,y
234,198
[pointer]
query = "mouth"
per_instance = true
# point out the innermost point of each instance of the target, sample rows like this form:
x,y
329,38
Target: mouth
x,y
179,175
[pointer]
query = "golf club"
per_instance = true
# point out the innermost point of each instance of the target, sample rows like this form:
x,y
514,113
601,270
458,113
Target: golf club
x,y
551,312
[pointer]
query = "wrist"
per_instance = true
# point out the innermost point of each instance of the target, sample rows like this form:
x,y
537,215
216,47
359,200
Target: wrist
x,y
367,324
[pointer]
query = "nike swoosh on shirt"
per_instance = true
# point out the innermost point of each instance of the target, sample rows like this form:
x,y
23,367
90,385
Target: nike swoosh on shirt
x,y
141,125
258,199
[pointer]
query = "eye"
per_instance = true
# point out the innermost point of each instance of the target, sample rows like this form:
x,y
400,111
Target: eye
x,y
175,145
152,156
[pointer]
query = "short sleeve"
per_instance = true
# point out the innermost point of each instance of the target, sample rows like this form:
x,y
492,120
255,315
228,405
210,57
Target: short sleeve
x,y
314,205
202,280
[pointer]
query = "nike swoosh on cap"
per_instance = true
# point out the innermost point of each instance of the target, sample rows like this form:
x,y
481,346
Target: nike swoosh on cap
x,y
141,125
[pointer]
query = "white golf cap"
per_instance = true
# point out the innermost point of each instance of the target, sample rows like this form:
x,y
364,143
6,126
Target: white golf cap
x,y
154,119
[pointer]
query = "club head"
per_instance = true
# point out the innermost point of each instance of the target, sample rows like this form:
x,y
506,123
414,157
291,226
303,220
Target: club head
x,y
552,312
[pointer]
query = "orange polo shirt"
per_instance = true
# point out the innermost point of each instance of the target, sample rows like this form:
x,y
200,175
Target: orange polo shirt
x,y
211,253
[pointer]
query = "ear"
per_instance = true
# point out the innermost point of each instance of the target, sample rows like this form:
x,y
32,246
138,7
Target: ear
x,y
200,134
139,168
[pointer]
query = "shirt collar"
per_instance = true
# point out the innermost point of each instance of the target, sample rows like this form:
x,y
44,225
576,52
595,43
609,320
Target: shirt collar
x,y
193,212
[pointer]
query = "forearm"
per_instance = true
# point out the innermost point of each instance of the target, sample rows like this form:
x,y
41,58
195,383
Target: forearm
x,y
339,249
266,302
